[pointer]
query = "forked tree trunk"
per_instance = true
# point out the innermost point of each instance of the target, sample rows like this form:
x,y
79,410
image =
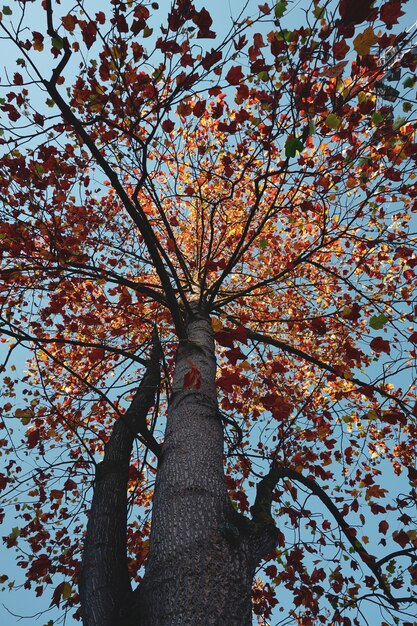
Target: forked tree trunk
x,y
203,554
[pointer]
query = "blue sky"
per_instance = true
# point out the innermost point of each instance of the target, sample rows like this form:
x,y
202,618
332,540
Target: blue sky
x,y
24,604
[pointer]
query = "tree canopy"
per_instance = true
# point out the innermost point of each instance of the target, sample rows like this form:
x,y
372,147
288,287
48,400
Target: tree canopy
x,y
156,161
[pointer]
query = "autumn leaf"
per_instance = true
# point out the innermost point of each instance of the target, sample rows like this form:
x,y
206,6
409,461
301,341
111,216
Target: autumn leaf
x,y
37,41
234,75
168,125
61,592
227,337
355,11
33,437
390,12
69,22
211,58
378,344
89,32
216,324
340,50
228,380
204,21
364,41
383,527
192,379
336,70
39,567
351,312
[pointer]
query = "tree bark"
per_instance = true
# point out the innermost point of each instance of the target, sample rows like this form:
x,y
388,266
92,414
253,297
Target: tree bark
x,y
203,554
104,580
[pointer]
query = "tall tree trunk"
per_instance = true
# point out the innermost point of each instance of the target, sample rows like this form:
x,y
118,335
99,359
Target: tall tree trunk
x,y
202,554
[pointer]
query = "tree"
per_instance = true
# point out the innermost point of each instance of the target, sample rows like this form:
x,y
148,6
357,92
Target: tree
x,y
173,199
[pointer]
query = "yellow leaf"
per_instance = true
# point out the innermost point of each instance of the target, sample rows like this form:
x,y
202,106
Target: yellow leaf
x,y
363,42
66,591
216,324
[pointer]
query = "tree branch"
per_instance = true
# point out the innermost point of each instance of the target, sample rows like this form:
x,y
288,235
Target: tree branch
x,y
104,579
325,366
262,514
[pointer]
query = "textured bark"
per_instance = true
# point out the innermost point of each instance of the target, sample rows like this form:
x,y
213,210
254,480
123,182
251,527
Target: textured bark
x,y
203,554
104,581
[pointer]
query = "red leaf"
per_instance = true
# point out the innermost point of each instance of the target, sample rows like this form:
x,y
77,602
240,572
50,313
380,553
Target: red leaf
x,y
412,475
280,408
390,12
380,345
355,11
352,312
318,326
413,337
69,22
203,20
383,527
96,354
228,379
234,75
340,49
39,119
210,59
39,567
199,108
89,33
265,8
70,484
401,538
403,252
168,126
192,379
3,482
394,416
336,70
33,438
227,337
234,354
100,17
